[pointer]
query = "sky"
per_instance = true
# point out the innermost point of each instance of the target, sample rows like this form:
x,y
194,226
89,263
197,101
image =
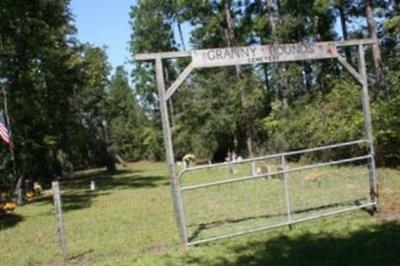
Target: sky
x,y
105,23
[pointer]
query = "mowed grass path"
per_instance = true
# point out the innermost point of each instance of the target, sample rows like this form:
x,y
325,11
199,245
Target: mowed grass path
x,y
129,220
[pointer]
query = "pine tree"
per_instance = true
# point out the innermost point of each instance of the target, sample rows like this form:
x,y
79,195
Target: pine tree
x,y
126,119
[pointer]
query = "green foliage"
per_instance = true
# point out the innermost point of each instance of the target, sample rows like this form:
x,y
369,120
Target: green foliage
x,y
56,88
387,133
38,69
392,25
331,118
151,23
89,109
153,142
127,120
207,115
6,176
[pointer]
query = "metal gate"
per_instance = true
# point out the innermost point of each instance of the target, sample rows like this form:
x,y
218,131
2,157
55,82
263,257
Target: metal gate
x,y
221,201
287,186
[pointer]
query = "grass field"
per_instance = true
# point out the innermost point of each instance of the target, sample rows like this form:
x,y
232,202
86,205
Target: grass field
x,y
129,220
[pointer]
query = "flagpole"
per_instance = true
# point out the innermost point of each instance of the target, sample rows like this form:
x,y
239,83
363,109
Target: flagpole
x,y
14,165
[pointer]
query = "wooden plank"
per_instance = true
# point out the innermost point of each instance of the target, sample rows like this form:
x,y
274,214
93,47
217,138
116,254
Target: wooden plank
x,y
350,68
263,54
162,55
185,73
355,42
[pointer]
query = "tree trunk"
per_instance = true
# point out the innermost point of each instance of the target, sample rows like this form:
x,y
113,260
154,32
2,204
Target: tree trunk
x,y
111,168
376,50
181,35
230,33
266,77
249,144
308,76
231,41
343,25
110,162
272,13
65,165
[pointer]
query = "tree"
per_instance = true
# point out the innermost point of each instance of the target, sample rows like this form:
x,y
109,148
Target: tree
x,y
92,102
342,7
376,50
38,69
126,118
151,23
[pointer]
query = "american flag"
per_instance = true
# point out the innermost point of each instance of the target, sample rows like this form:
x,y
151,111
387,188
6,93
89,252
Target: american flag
x,y
4,129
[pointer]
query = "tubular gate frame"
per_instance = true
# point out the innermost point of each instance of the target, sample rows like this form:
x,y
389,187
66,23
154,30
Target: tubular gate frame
x,y
255,55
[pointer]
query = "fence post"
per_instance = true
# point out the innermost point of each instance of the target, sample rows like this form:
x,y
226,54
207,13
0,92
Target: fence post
x,y
286,177
59,217
368,127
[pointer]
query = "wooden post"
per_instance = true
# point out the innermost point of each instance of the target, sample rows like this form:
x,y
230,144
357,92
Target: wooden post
x,y
59,217
368,123
176,194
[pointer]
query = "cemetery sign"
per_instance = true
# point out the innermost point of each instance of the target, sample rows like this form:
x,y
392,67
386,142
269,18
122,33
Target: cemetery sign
x,y
263,54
